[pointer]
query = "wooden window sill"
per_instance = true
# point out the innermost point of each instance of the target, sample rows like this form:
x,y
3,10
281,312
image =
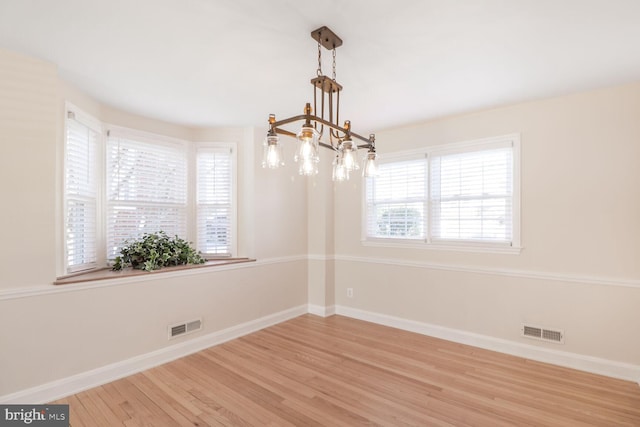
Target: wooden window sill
x,y
107,273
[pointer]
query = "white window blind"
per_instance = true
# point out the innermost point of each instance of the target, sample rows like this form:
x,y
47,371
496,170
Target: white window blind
x,y
80,195
146,188
471,195
396,200
214,201
457,196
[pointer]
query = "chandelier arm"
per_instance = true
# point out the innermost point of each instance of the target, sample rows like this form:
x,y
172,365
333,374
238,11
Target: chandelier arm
x,y
315,103
332,125
293,134
329,146
361,138
293,119
315,108
284,132
311,117
330,99
322,111
338,96
368,146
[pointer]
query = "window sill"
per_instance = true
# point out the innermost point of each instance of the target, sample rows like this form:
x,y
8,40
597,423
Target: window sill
x,y
106,273
455,247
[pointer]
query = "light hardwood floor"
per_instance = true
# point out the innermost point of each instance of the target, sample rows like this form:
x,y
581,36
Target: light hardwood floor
x,y
338,371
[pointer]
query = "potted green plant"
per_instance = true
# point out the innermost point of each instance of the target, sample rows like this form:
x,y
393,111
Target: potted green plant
x,y
156,250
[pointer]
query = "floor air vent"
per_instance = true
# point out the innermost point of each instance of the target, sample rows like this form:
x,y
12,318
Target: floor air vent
x,y
538,333
184,328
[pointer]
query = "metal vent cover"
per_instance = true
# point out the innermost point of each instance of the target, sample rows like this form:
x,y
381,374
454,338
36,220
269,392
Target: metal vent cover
x,y
184,328
178,330
542,334
194,325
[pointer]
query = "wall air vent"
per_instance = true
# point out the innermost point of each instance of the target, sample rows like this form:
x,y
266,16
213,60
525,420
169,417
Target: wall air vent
x,y
542,334
184,328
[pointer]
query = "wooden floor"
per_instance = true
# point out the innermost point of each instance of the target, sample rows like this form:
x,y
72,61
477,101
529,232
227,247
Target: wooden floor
x,y
343,372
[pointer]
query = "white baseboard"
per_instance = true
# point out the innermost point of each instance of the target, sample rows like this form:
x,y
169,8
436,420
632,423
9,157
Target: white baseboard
x,y
610,368
322,311
96,377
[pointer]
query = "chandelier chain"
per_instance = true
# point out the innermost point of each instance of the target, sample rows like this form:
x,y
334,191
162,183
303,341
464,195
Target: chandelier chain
x,y
334,65
319,70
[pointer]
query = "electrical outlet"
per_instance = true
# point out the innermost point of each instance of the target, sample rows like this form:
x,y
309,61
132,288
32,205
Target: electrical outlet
x,y
349,292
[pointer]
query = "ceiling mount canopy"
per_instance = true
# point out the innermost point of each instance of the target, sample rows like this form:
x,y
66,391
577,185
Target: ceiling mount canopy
x,y
322,129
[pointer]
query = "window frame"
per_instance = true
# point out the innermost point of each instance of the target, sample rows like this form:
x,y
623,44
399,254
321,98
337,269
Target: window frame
x,y
514,247
190,147
146,139
405,156
96,126
208,146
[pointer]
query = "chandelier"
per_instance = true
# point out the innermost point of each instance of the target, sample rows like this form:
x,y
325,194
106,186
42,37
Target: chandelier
x,y
323,128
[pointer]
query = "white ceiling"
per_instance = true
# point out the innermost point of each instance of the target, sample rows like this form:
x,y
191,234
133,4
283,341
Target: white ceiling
x,y
232,62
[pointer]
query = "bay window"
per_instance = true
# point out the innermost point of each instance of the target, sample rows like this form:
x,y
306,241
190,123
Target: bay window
x,y
120,183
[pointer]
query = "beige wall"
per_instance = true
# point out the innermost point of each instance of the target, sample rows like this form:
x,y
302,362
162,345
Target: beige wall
x,y
28,134
50,333
58,335
281,206
580,219
321,234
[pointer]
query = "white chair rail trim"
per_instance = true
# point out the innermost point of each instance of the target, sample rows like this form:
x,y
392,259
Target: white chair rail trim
x,y
538,275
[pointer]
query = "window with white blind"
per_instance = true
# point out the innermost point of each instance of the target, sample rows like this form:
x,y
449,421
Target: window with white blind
x,y
146,187
463,196
396,200
472,195
81,192
214,200
123,183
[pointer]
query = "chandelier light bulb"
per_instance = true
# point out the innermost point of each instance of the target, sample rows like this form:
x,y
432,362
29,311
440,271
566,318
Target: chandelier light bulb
x,y
349,154
350,161
370,168
340,172
273,157
308,167
272,153
306,150
307,145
